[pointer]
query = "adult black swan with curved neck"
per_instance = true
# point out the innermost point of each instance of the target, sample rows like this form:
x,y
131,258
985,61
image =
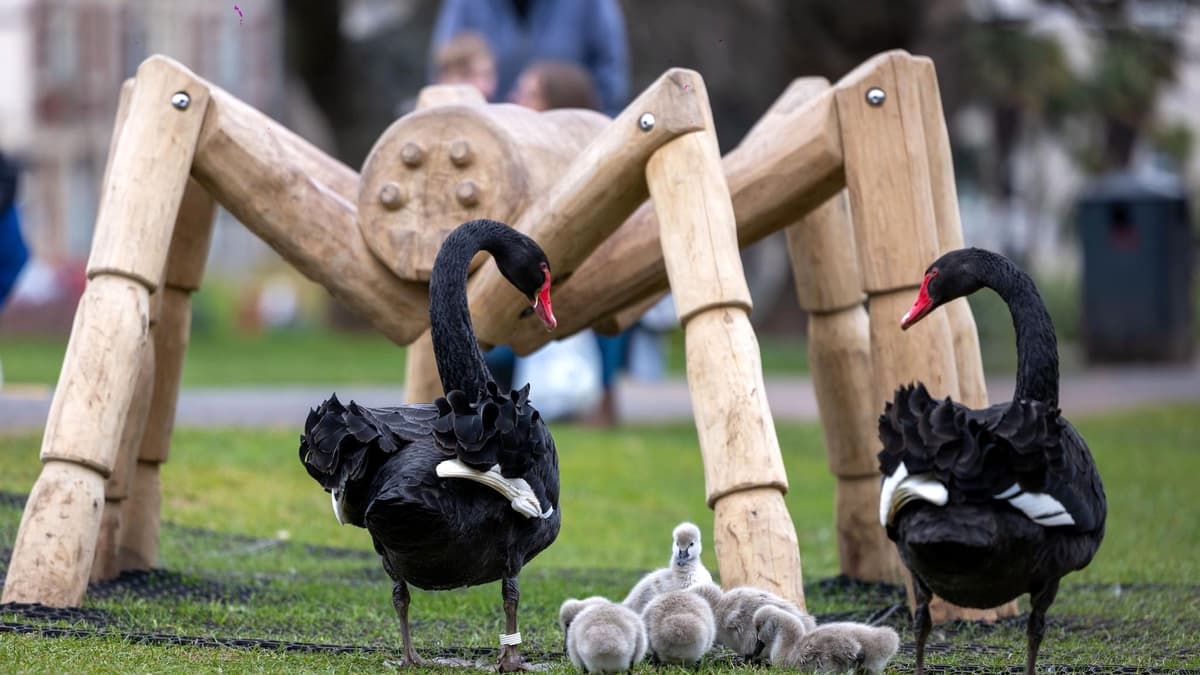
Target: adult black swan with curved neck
x,y
430,482
986,505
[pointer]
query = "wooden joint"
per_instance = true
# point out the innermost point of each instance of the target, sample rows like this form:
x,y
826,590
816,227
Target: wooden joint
x,y
147,172
597,192
837,309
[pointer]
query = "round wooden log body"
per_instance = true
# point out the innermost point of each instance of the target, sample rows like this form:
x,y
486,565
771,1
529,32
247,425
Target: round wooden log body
x,y
421,380
434,169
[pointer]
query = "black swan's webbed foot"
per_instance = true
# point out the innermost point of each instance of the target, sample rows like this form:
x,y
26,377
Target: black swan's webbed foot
x,y
1040,600
400,600
921,620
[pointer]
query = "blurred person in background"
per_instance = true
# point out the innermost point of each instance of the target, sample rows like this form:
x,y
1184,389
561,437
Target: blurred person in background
x,y
590,33
546,85
466,58
13,253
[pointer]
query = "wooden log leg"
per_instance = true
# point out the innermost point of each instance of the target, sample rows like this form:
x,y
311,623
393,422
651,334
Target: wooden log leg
x,y
839,347
56,541
116,490
144,184
422,383
137,546
744,475
829,286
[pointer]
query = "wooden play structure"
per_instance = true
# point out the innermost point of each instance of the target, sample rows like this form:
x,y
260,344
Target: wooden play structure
x,y
858,173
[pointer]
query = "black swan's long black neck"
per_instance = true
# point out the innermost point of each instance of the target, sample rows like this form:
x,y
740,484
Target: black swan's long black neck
x,y
460,362
1037,346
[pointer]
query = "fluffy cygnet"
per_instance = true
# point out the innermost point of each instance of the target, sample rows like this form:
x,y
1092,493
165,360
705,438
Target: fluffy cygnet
x,y
684,569
734,613
602,636
832,648
680,627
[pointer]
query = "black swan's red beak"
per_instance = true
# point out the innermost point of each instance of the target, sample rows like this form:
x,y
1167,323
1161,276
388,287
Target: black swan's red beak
x,y
541,302
922,306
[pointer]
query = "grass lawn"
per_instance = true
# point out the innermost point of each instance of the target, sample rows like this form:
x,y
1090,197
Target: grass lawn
x,y
250,550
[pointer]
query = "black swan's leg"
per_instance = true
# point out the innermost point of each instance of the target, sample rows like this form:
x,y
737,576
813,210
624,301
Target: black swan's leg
x,y
1040,599
921,620
510,655
400,600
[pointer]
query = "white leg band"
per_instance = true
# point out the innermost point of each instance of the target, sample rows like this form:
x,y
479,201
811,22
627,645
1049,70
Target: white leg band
x,y
510,640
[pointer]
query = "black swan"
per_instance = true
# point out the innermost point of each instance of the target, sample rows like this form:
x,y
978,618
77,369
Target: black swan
x,y
986,505
399,472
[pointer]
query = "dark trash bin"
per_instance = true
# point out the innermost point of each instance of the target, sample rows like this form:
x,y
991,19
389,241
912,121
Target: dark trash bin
x,y
1137,269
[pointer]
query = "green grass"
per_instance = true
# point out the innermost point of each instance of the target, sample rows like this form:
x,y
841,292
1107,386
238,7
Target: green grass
x,y
623,491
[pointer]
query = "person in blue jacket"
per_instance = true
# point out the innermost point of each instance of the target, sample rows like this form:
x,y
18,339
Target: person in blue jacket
x,y
590,33
13,253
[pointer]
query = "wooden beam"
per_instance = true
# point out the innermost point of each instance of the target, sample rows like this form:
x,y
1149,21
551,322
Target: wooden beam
x,y
770,182
301,203
972,386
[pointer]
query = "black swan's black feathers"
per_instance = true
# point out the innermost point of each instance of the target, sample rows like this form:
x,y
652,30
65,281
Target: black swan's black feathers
x,y
499,429
979,454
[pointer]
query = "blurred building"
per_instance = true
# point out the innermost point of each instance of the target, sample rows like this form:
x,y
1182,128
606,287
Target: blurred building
x,y
62,67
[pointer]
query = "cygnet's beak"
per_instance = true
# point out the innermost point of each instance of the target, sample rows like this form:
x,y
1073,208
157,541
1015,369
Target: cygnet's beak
x,y
681,556
758,649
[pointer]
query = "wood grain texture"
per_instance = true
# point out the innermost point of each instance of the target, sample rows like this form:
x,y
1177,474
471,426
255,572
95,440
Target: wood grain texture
x,y
96,386
756,545
137,540
56,540
825,259
120,483
147,174
887,171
